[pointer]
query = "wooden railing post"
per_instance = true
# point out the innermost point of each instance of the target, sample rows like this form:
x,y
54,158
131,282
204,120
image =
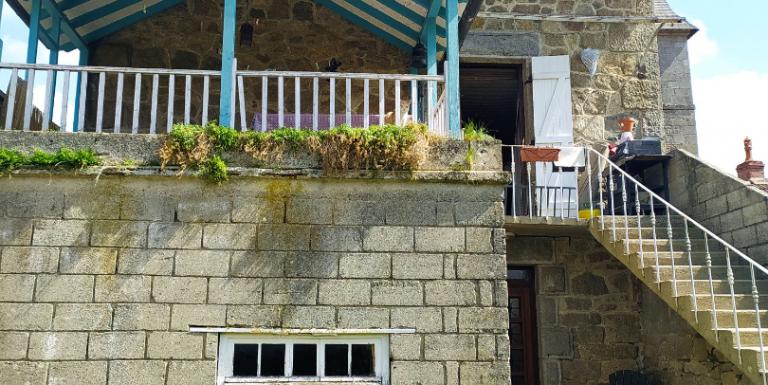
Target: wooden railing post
x,y
227,64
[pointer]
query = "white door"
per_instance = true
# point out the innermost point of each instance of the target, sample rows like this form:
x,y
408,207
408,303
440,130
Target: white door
x,y
556,191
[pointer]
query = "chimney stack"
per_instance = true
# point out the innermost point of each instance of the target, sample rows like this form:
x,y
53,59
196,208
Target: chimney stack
x,y
751,170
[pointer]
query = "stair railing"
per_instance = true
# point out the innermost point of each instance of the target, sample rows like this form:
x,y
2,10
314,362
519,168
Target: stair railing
x,y
588,176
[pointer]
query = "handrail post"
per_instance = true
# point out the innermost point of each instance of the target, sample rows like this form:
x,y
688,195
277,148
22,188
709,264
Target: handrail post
x,y
452,75
226,117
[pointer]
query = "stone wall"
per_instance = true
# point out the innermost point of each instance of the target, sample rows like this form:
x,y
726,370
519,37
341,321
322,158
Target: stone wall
x,y
595,318
726,205
676,91
628,78
294,35
101,278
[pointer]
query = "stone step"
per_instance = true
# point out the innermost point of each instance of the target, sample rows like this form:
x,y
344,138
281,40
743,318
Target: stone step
x,y
748,337
683,272
722,301
662,245
720,287
754,358
675,220
717,258
725,318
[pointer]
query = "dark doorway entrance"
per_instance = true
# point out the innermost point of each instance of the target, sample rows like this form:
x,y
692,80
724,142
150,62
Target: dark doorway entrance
x,y
492,96
523,358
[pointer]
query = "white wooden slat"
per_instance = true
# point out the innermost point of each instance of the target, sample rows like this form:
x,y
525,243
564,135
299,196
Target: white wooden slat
x,y
11,98
28,100
81,108
297,102
397,102
153,110
332,102
348,104
171,95
366,107
187,97
264,101
47,107
315,102
136,104
64,102
100,102
119,103
280,102
241,104
206,96
430,106
381,102
414,101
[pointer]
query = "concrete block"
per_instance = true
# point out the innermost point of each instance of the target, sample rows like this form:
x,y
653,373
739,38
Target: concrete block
x,y
486,347
179,289
29,260
256,264
755,213
450,293
211,349
439,239
149,205
137,372
35,204
123,288
78,373
530,249
311,265
479,239
388,238
257,210
149,262
191,373
449,266
204,209
17,287
363,318
230,236
283,237
253,316
335,238
489,214
485,293
309,317
411,213
400,293
451,347
235,290
16,232
347,212
290,291
87,260
309,211
344,292
57,346
116,345
83,316
25,316
206,263
493,266
173,345
445,216
23,372
184,316
417,266
52,232
417,373
364,265
13,346
556,342
450,320
64,288
484,373
423,319
405,347
175,235
101,201
483,319
119,234
141,316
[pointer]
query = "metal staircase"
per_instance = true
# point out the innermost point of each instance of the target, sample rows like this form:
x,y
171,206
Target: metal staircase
x,y
721,292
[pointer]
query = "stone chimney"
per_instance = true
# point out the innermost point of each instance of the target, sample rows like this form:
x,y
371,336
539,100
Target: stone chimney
x,y
751,170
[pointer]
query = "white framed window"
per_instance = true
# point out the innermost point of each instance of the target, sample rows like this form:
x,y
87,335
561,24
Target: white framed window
x,y
248,358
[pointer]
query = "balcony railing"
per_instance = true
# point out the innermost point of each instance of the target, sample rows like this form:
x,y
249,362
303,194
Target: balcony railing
x,y
146,100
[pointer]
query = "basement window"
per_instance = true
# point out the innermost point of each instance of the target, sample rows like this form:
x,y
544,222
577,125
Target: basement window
x,y
263,359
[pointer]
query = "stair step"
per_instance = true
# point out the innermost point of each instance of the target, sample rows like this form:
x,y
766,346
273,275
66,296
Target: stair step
x,y
725,318
748,338
753,358
681,258
644,220
662,244
721,301
683,272
720,287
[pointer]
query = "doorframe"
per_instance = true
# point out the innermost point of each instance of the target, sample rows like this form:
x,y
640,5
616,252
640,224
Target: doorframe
x,y
531,335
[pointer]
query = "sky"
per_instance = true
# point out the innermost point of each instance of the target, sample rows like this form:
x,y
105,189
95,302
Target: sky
x,y
729,66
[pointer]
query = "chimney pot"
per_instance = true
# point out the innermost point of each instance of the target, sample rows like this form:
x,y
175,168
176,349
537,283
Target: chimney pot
x,y
751,170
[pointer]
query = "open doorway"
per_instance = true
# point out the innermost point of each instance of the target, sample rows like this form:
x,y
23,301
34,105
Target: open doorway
x,y
492,96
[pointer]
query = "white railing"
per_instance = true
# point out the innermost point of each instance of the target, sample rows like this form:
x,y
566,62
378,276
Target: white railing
x,y
697,264
149,100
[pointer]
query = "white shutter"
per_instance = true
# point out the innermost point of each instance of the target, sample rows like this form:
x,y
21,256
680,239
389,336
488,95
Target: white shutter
x,y
553,126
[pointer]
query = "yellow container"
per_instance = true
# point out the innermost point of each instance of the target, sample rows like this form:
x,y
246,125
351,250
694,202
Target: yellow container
x,y
589,214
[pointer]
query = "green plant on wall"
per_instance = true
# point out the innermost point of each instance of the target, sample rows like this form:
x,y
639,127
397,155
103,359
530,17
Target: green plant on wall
x,y
64,158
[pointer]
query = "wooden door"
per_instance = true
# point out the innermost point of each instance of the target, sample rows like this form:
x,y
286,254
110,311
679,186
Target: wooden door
x,y
523,359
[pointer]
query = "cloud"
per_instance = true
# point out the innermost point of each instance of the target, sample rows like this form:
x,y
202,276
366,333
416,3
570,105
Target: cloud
x,y
730,107
701,47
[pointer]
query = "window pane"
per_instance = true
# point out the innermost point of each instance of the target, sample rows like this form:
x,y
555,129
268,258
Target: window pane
x,y
304,360
272,360
362,360
336,360
246,360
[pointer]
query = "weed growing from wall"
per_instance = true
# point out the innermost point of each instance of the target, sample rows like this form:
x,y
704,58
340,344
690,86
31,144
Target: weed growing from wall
x,y
64,158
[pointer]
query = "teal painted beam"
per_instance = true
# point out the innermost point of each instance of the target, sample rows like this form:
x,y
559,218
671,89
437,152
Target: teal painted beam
x,y
129,20
75,39
53,58
226,115
1,23
366,24
34,32
431,44
452,72
83,62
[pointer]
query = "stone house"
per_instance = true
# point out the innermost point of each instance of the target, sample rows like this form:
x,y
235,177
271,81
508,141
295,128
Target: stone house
x,y
476,268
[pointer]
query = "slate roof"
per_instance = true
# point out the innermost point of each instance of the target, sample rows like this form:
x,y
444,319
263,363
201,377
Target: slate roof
x,y
662,9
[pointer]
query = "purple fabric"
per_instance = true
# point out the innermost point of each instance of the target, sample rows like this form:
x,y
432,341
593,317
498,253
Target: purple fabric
x,y
305,120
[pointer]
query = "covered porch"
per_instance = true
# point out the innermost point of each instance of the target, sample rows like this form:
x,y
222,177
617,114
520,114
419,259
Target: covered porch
x,y
229,86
